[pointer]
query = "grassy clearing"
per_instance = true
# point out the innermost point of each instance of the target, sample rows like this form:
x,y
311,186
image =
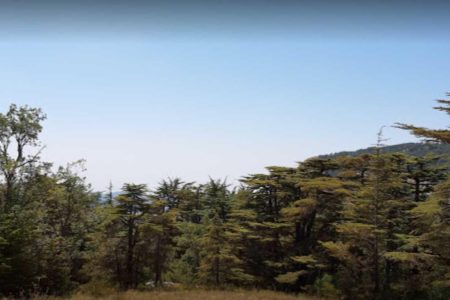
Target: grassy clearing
x,y
196,295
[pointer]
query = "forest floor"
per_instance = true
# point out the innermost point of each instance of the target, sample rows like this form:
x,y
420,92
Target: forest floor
x,y
195,295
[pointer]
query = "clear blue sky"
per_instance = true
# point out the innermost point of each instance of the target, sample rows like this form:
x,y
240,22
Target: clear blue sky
x,y
144,92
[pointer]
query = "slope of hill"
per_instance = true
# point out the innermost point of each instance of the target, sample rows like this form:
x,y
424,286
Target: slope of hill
x,y
414,149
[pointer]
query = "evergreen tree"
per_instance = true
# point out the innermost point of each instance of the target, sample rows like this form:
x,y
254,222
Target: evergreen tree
x,y
425,258
171,191
311,219
219,266
109,195
158,234
423,173
435,135
185,265
117,249
368,231
267,195
354,168
216,198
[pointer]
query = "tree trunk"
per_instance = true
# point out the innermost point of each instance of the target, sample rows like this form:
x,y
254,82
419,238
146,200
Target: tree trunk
x,y
129,280
417,190
217,267
157,269
8,190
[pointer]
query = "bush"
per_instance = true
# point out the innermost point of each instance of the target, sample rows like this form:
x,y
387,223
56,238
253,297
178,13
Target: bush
x,y
324,287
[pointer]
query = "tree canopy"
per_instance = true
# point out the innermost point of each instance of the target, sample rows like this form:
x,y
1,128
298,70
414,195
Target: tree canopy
x,y
370,225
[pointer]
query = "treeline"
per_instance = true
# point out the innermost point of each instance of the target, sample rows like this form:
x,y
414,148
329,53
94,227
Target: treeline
x,y
374,226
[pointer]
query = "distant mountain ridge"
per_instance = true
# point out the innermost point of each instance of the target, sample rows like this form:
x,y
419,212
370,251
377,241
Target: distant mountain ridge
x,y
414,149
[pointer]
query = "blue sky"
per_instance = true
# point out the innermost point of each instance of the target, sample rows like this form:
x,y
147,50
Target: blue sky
x,y
151,100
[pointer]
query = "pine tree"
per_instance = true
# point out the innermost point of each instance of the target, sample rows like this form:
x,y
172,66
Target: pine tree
x,y
185,264
426,254
311,219
423,173
219,266
266,196
215,197
123,234
171,191
354,168
158,239
368,232
109,195
131,208
435,135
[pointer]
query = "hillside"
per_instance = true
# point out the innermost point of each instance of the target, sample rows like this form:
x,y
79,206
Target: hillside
x,y
414,149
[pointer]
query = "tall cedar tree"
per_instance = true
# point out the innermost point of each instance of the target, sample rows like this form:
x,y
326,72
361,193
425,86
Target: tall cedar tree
x,y
426,254
219,265
312,217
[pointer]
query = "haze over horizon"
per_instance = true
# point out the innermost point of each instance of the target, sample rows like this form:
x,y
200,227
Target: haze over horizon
x,y
147,90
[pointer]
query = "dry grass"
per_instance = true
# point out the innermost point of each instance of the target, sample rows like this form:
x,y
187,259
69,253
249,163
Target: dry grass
x,y
196,295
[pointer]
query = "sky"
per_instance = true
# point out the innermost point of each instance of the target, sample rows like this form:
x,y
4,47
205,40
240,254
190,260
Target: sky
x,y
145,90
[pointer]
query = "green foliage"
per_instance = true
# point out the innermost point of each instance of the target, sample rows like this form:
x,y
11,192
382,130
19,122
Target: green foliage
x,y
19,129
408,149
325,287
219,265
290,277
436,135
45,237
368,225
185,268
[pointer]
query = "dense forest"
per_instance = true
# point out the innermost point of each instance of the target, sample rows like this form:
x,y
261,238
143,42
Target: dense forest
x,y
375,225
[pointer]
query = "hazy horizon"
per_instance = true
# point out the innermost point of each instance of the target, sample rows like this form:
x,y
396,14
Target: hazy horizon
x,y
149,90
